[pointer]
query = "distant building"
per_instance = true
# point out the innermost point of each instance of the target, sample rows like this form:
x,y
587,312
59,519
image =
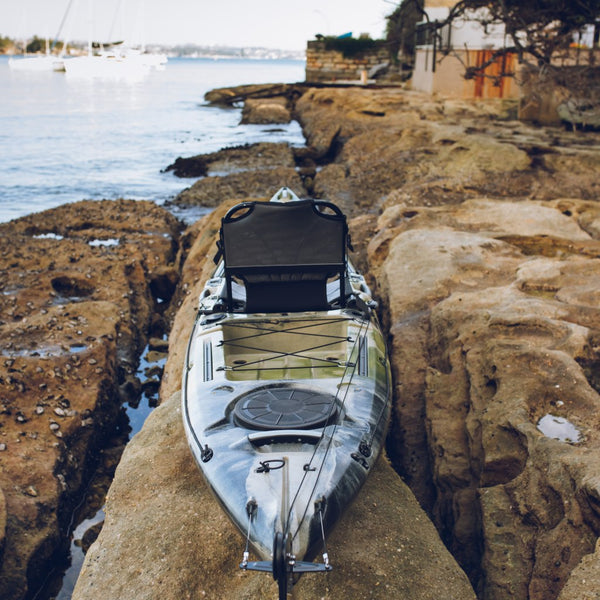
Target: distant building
x,y
441,60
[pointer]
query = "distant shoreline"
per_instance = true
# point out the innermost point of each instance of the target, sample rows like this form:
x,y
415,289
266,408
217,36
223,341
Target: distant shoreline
x,y
189,51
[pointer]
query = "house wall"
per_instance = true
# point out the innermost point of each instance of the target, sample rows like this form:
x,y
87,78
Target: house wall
x,y
332,65
471,34
446,77
423,74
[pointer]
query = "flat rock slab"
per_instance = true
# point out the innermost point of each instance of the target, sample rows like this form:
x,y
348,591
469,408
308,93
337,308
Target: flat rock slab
x,y
259,183
75,306
262,155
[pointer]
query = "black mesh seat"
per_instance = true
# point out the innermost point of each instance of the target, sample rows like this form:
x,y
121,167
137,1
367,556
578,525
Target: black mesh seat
x,y
284,253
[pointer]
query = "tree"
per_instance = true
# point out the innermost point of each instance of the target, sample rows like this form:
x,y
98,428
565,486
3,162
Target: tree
x,y
36,45
542,29
401,27
5,43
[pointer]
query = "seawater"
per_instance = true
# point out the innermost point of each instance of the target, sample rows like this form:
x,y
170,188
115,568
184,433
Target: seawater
x,y
64,139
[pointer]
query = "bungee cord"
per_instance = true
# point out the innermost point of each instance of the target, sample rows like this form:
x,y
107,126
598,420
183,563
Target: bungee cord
x,y
364,324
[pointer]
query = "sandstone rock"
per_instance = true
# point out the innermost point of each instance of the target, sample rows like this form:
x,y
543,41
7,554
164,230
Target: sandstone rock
x,y
232,95
195,166
75,307
486,265
212,191
271,111
584,582
262,155
493,319
429,152
385,546
158,492
163,282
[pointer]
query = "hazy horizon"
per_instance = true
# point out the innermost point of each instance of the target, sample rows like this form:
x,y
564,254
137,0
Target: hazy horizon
x,y
238,23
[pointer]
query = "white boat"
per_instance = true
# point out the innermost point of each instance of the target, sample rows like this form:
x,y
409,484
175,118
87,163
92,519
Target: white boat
x,y
105,65
43,62
286,384
47,61
117,61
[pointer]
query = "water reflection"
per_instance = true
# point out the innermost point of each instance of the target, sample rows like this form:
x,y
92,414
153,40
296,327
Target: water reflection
x,y
559,428
90,515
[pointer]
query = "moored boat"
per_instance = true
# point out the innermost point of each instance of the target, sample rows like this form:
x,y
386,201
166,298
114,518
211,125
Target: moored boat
x,y
47,62
286,382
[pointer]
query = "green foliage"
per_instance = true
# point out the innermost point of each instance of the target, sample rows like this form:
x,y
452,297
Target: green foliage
x,y
36,45
5,43
401,26
350,47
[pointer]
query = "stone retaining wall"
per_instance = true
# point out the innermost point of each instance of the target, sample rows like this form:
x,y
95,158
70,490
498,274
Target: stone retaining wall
x,y
332,65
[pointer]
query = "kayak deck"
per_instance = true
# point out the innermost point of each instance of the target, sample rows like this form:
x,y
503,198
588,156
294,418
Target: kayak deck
x,y
255,392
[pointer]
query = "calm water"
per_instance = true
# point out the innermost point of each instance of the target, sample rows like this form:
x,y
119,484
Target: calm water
x,y
64,139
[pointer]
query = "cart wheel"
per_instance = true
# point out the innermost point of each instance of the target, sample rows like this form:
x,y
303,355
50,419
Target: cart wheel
x,y
281,569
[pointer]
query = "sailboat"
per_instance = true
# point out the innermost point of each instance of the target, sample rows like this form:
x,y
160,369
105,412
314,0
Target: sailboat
x,y
38,62
105,64
114,60
45,62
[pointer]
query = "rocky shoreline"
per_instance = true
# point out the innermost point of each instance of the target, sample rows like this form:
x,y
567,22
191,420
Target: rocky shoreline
x,y
81,286
481,237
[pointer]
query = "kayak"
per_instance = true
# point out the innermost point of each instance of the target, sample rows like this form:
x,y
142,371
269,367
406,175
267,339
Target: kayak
x,y
286,382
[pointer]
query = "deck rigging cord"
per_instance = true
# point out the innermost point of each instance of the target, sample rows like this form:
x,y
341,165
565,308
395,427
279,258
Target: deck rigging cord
x,y
297,330
350,366
349,369
261,329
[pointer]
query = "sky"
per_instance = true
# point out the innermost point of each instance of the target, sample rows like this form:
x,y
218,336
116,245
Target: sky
x,y
285,24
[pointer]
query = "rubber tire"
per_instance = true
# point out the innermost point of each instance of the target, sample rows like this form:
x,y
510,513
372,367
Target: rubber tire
x,y
279,558
280,565
283,587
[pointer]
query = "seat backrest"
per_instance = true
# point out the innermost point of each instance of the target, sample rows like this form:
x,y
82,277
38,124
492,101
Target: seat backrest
x,y
284,253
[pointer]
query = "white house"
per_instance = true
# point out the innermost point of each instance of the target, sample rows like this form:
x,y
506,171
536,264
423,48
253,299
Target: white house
x,y
441,61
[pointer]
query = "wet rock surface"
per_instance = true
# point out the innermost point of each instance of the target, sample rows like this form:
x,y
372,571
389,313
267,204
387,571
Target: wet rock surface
x,y
252,171
76,310
270,111
234,95
213,191
263,155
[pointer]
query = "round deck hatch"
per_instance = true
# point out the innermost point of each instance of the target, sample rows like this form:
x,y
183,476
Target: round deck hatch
x,y
284,408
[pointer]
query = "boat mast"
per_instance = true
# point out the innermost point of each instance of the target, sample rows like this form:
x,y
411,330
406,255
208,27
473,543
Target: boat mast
x,y
60,27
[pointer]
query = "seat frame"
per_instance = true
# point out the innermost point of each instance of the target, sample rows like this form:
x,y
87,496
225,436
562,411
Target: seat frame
x,y
273,274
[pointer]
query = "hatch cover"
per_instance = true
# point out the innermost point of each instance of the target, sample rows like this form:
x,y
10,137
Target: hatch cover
x,y
284,408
